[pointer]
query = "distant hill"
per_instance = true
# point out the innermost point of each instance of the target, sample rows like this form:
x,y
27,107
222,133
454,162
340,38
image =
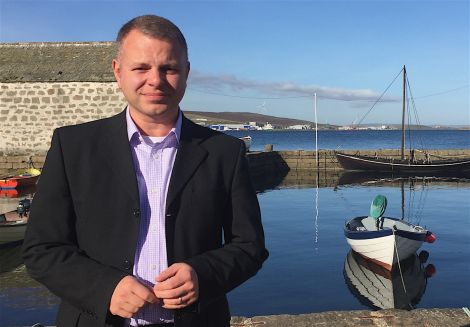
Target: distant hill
x,y
245,117
211,118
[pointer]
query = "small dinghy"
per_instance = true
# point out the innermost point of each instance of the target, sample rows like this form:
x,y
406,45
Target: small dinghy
x,y
385,240
13,224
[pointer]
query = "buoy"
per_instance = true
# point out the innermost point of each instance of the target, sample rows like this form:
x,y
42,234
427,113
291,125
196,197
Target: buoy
x,y
430,237
423,256
430,270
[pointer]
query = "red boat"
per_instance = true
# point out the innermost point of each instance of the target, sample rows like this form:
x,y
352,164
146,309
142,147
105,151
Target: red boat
x,y
24,178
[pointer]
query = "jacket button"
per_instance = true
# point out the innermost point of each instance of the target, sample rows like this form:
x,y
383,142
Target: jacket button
x,y
126,264
169,215
136,213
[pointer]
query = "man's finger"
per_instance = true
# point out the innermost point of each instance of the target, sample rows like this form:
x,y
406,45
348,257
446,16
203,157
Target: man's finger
x,y
169,284
167,273
144,293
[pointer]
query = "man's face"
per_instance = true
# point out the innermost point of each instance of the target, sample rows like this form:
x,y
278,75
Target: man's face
x,y
152,74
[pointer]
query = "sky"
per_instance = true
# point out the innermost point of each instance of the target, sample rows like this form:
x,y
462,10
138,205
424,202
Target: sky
x,y
271,57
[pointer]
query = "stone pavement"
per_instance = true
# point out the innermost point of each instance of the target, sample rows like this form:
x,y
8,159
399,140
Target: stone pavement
x,y
381,318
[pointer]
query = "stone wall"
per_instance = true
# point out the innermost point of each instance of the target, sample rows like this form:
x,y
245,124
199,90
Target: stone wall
x,y
29,112
45,85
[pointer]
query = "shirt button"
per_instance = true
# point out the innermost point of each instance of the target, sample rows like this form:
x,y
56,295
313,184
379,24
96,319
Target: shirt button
x,y
126,264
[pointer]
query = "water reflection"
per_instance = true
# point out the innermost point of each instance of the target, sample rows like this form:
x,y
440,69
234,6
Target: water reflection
x,y
19,291
361,177
378,288
25,191
10,257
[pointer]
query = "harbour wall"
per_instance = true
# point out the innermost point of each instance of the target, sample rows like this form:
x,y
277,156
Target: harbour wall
x,y
301,162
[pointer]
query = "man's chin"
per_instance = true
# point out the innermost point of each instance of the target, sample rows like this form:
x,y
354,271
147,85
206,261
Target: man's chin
x,y
162,110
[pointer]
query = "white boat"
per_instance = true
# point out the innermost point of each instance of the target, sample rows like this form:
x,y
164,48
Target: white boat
x,y
394,240
13,225
247,140
379,288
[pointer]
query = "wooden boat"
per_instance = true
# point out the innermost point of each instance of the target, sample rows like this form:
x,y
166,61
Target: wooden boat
x,y
404,164
247,140
393,241
378,288
365,163
23,178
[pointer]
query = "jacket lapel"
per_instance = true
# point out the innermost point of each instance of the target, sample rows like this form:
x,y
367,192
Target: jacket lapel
x,y
119,157
188,158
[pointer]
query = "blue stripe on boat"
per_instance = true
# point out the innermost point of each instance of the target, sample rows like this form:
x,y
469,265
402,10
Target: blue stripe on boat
x,y
363,235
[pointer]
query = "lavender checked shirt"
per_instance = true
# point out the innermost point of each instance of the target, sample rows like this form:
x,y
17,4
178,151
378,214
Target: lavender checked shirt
x,y
153,161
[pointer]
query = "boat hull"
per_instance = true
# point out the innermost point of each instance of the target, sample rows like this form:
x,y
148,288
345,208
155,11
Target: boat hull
x,y
12,233
386,246
365,163
27,178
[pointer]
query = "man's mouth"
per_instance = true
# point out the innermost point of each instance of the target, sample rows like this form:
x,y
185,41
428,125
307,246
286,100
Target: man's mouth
x,y
155,96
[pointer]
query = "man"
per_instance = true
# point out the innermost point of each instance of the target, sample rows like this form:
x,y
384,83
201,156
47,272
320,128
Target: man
x,y
145,218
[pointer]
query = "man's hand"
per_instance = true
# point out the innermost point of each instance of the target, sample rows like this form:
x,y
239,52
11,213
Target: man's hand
x,y
129,296
177,286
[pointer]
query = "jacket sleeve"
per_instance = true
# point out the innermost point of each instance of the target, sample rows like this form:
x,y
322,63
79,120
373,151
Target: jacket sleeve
x,y
50,250
243,252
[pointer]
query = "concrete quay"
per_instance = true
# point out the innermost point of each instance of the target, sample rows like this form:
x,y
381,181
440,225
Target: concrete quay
x,y
359,318
381,318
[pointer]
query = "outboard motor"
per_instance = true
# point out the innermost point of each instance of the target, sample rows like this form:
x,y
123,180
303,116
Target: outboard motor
x,y
23,207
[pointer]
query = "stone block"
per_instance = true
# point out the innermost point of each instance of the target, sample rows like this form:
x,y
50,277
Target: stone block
x,y
6,165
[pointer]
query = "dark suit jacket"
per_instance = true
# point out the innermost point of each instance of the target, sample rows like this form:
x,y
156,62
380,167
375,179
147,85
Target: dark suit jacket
x,y
84,222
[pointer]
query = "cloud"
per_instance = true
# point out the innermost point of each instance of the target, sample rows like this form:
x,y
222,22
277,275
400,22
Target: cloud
x,y
220,83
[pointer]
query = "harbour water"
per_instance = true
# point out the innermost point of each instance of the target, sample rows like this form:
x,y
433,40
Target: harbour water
x,y
356,140
305,271
304,233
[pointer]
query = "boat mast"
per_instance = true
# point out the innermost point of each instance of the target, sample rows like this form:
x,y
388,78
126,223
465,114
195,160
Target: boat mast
x,y
403,116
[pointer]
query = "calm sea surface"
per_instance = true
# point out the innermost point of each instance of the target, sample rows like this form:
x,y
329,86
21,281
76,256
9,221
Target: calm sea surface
x,y
304,234
356,140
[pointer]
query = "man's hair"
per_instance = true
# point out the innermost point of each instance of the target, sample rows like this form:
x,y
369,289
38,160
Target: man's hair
x,y
153,26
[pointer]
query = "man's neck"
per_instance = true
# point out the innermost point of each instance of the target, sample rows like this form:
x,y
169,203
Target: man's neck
x,y
153,126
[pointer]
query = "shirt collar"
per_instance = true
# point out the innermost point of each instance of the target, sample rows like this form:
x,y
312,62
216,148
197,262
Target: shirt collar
x,y
132,129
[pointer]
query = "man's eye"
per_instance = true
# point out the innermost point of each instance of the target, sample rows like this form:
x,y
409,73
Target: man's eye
x,y
139,69
171,71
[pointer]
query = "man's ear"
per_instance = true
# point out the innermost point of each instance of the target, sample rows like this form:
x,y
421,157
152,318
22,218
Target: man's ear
x,y
117,71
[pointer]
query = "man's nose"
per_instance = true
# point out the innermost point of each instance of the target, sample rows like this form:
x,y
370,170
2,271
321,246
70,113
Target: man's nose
x,y
156,77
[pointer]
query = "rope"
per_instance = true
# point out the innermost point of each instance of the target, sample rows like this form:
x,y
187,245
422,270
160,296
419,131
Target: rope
x,y
398,259
376,101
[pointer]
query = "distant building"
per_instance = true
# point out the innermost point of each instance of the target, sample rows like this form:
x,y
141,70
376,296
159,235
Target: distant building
x,y
299,127
233,127
267,126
